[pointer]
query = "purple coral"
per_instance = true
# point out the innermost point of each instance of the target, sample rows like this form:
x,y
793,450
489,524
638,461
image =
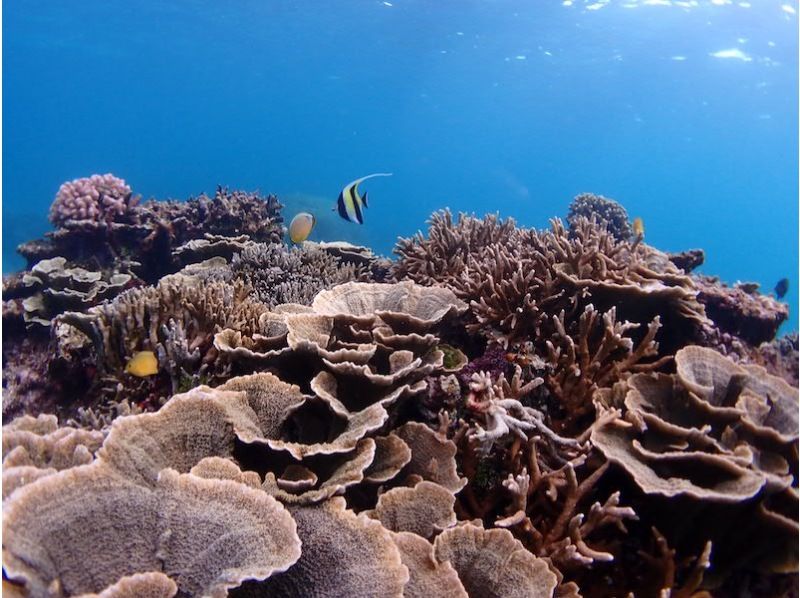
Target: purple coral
x,y
98,197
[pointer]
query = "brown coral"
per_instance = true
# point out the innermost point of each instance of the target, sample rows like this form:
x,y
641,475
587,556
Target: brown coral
x,y
206,535
516,279
741,311
715,433
343,555
492,563
291,275
54,288
176,319
425,509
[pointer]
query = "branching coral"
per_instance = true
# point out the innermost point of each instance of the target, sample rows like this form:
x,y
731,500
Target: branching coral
x,y
176,319
594,353
280,275
440,258
516,279
545,491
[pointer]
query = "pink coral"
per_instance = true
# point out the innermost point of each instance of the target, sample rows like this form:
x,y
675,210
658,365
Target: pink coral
x,y
98,197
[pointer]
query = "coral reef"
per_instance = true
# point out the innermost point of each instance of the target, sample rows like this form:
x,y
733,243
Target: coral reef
x,y
604,211
741,311
715,433
176,319
278,275
517,279
101,228
53,288
501,411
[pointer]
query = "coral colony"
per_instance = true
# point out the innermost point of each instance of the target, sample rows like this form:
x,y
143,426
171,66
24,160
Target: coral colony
x,y
499,411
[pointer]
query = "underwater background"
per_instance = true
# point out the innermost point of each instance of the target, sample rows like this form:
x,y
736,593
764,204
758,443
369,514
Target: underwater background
x,y
685,112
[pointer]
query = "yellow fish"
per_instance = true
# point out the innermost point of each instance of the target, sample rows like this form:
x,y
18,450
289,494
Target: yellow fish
x,y
142,364
350,204
301,226
638,227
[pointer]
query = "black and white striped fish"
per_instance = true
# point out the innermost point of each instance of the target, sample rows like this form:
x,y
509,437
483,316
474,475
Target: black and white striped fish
x,y
350,204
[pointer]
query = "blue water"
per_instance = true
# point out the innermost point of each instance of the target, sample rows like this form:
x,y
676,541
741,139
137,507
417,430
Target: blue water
x,y
686,112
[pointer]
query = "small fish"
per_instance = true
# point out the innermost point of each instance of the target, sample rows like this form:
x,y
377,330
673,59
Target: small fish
x,y
350,204
301,226
638,227
781,288
142,364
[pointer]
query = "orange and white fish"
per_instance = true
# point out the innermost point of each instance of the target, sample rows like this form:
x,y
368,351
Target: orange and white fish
x,y
301,226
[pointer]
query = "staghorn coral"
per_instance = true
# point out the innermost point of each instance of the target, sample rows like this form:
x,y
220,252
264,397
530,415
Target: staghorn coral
x,y
280,275
593,353
442,257
100,197
551,481
516,279
605,211
176,319
504,415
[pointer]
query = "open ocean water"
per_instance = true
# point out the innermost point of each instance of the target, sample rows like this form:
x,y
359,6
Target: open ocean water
x,y
684,111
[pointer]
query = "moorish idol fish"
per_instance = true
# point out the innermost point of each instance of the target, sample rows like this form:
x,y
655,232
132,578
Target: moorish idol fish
x,y
350,204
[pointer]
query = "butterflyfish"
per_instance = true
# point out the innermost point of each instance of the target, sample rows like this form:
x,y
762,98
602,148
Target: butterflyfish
x,y
301,226
782,288
638,227
350,204
142,364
